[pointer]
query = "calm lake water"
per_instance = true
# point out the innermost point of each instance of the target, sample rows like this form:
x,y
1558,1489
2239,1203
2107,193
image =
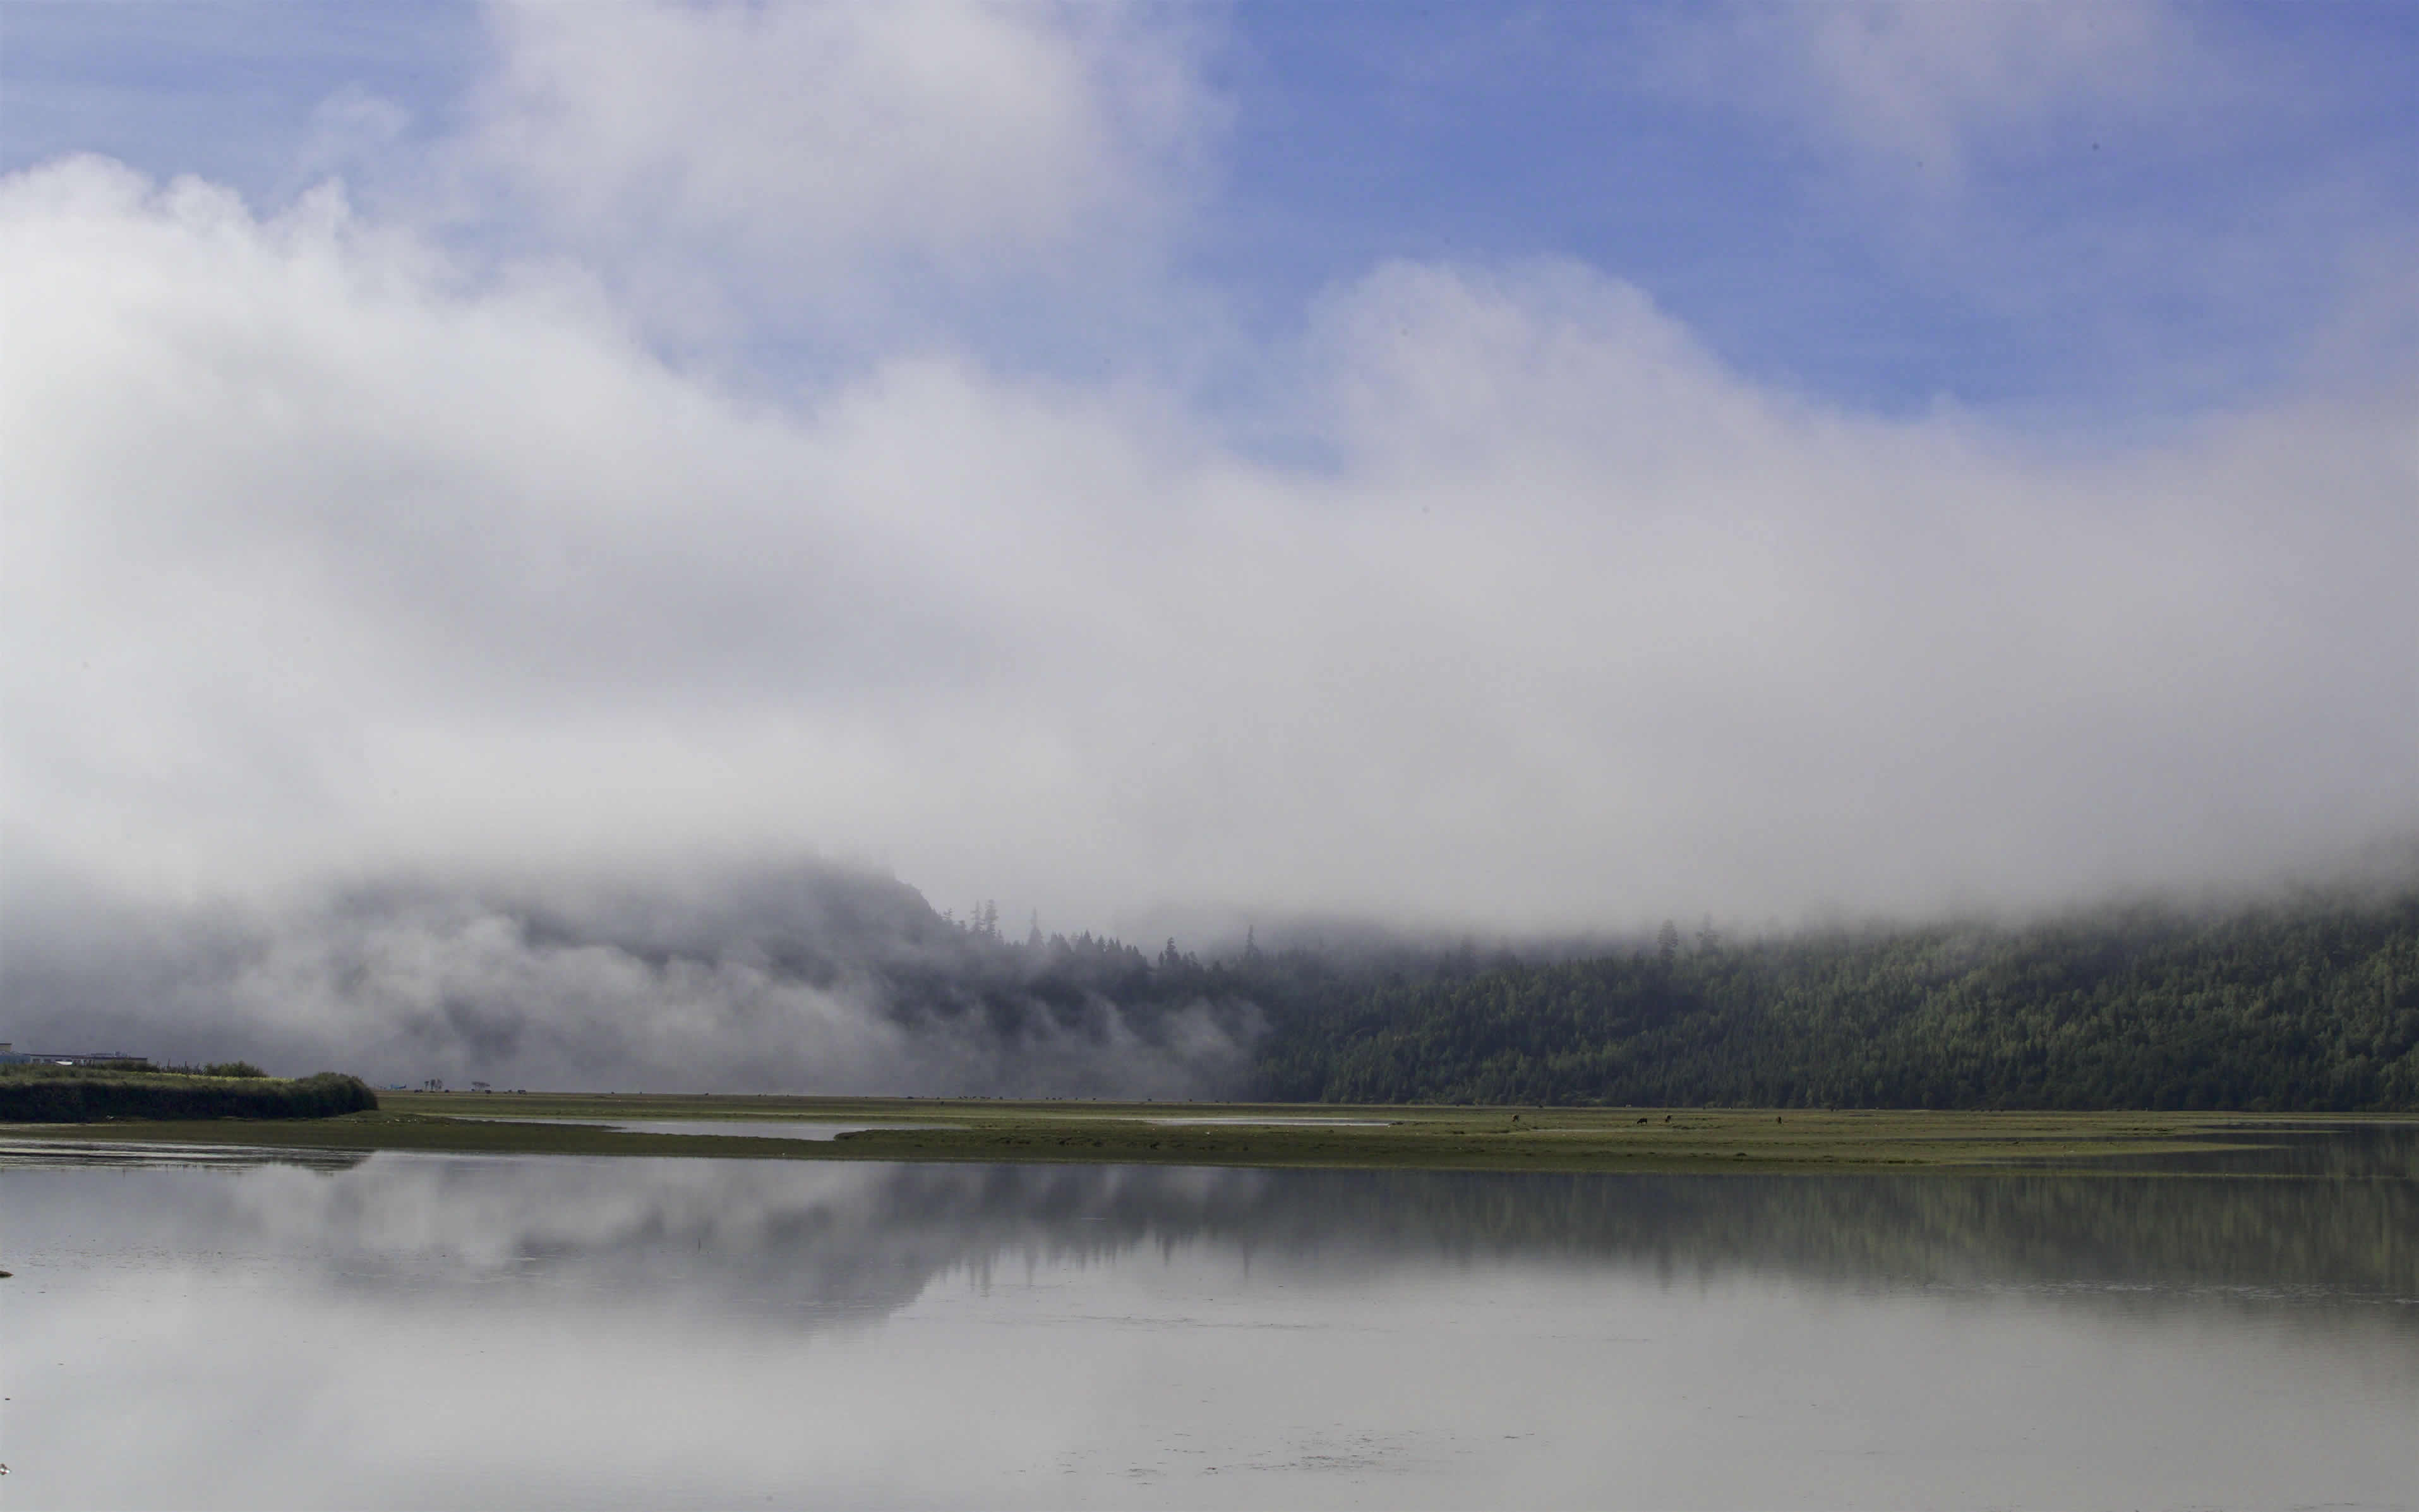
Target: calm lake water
x,y
435,1331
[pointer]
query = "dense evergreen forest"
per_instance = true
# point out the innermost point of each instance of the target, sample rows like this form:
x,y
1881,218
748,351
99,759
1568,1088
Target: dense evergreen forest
x,y
2305,1004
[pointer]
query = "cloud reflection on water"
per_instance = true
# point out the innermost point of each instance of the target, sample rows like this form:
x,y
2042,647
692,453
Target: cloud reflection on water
x,y
426,1329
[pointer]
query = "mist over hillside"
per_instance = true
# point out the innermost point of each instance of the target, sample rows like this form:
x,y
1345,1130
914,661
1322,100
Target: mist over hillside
x,y
819,977
811,979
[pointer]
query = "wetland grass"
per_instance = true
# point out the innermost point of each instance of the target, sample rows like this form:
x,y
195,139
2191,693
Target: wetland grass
x,y
1319,1135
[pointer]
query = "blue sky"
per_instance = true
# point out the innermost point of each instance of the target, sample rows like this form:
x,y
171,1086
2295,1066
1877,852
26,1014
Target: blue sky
x,y
2053,268
2142,243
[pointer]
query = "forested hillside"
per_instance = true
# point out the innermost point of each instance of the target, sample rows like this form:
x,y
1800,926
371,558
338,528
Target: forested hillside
x,y
823,980
2308,1005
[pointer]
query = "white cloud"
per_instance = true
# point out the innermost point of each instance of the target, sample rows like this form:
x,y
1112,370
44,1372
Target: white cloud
x,y
321,562
804,161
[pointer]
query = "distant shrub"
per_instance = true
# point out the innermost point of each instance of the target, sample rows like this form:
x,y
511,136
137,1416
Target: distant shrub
x,y
232,1068
36,1094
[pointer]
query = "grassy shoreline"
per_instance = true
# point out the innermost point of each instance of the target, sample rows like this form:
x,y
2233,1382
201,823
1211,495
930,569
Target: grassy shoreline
x,y
1420,1137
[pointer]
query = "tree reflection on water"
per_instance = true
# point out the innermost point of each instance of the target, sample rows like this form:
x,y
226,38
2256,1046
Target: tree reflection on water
x,y
858,1240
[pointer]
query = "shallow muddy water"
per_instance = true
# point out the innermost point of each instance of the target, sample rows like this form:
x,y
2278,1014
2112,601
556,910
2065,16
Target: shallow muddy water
x,y
443,1331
